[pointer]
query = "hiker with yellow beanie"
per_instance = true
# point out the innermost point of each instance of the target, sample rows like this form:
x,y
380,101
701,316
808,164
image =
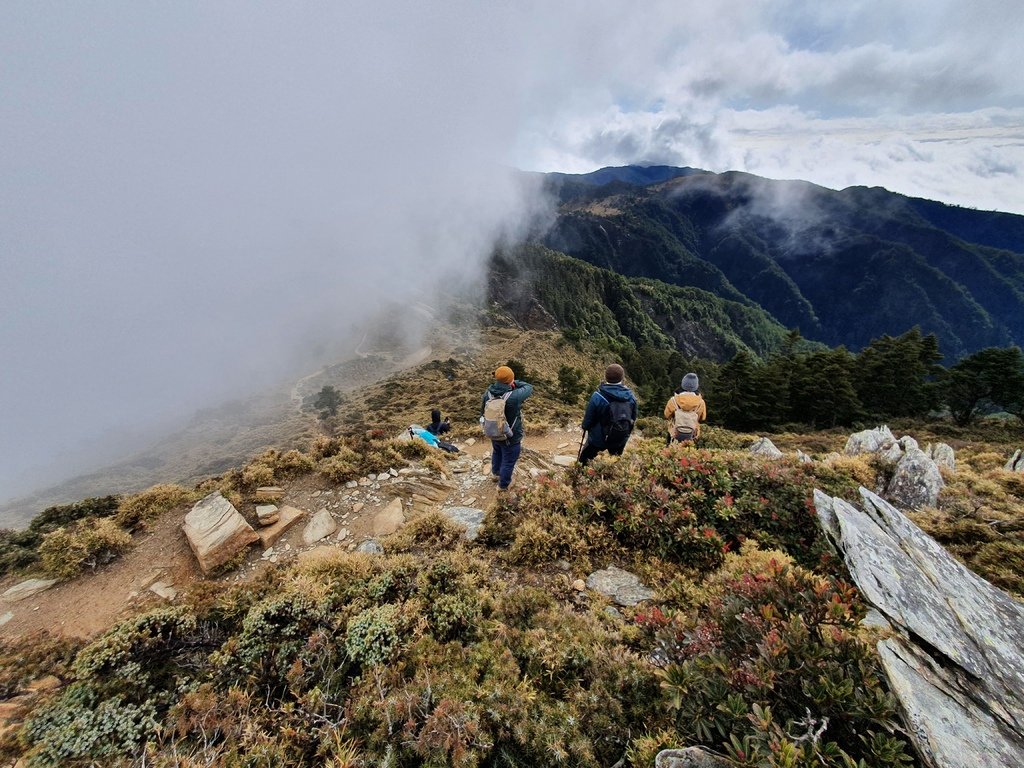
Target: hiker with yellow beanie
x,y
502,421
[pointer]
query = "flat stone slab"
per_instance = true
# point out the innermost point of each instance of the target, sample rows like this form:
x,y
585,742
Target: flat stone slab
x,y
561,460
320,525
469,518
269,493
26,589
389,519
623,587
287,517
216,531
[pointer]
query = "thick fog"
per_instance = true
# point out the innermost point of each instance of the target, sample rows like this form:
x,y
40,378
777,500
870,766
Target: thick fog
x,y
196,199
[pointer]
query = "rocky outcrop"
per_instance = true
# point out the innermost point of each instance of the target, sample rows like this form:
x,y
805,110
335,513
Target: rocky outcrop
x,y
765,447
217,532
1016,462
956,658
916,481
869,441
943,455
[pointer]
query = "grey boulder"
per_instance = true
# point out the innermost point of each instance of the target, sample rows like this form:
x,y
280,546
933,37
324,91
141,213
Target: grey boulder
x,y
916,481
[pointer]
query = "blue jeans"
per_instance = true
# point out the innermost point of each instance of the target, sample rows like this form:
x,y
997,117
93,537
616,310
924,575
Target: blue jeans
x,y
503,460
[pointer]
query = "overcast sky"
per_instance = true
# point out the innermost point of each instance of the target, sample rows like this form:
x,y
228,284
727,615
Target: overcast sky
x,y
195,196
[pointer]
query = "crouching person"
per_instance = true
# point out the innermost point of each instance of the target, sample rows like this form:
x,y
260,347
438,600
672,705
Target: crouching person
x,y
610,416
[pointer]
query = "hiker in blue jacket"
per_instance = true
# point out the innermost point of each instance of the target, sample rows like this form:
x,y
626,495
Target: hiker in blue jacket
x,y
505,453
610,416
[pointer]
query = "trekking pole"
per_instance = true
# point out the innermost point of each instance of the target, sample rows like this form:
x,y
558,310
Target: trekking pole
x,y
579,453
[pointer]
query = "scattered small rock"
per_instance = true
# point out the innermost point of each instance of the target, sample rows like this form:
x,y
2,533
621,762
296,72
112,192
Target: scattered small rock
x,y
166,591
342,534
470,442
803,458
371,546
357,507
579,585
765,447
321,524
267,514
691,757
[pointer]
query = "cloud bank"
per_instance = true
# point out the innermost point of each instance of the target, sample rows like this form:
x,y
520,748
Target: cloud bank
x,y
193,196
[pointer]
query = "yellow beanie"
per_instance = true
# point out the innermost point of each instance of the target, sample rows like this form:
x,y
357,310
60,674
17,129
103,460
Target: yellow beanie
x,y
504,374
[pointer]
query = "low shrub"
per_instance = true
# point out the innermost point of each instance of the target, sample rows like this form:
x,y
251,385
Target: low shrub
x,y
693,506
66,552
151,503
771,669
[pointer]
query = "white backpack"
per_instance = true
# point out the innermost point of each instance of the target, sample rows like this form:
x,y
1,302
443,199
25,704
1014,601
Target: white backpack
x,y
685,423
493,421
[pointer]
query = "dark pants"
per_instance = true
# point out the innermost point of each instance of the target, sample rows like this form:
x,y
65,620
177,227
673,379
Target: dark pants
x,y
590,451
504,456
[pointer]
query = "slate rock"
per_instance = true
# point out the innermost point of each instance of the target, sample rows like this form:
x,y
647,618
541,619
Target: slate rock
x,y
469,518
269,493
5,618
26,589
765,447
916,482
891,455
623,587
320,525
956,662
803,458
371,546
562,460
216,531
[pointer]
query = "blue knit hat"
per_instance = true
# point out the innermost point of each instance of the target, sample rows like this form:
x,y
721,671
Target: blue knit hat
x,y
690,383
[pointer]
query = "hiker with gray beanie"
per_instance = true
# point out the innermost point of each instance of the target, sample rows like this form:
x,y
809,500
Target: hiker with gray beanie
x,y
685,411
610,416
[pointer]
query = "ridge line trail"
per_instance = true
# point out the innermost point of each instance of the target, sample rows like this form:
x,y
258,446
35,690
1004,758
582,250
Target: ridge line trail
x,y
93,602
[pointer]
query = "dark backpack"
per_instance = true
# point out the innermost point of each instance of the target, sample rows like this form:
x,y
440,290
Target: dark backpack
x,y
617,424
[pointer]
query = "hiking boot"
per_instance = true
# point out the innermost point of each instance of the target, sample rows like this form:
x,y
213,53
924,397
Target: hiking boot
x,y
494,478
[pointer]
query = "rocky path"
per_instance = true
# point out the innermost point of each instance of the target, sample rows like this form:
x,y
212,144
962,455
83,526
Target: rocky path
x,y
160,565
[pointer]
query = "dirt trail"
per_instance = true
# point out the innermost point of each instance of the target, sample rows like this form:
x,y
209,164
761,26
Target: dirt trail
x,y
95,601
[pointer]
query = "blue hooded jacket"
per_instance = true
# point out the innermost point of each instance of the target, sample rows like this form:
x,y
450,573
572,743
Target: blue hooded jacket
x,y
597,410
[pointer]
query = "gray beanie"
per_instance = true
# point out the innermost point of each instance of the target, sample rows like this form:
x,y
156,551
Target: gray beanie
x,y
690,383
